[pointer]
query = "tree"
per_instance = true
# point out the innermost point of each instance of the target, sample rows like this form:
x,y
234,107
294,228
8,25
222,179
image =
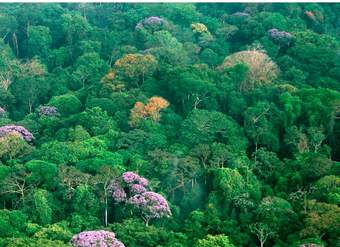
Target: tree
x,y
322,219
8,66
13,146
314,52
9,30
152,205
96,121
89,69
327,189
277,214
202,126
259,125
313,165
262,231
41,207
32,242
132,189
147,235
14,183
95,238
214,241
190,87
57,231
12,222
84,201
261,69
66,104
103,179
71,178
30,86
229,183
291,108
136,67
75,27
150,110
42,173
202,34
267,165
166,48
39,41
152,24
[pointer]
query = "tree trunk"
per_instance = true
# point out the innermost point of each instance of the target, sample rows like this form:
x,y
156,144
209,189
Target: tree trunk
x,y
15,41
30,106
146,220
256,147
105,208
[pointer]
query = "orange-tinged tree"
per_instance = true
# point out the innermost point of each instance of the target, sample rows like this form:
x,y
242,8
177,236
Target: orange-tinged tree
x,y
150,110
110,81
136,66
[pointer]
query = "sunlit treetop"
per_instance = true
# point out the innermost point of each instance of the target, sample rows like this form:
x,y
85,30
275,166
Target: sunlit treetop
x,y
199,28
261,69
135,67
150,110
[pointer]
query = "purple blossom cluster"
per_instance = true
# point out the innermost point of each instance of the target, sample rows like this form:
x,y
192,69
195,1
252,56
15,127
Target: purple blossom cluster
x,y
131,177
99,238
48,111
310,245
117,192
280,37
152,205
131,189
2,112
128,185
152,22
23,132
137,189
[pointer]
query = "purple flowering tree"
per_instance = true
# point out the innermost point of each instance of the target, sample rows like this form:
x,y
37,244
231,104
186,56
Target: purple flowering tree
x,y
151,205
126,186
117,191
99,238
132,189
280,37
152,23
48,111
23,132
133,178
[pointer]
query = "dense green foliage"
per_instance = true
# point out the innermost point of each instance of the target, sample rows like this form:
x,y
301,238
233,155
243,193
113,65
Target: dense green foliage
x,y
237,127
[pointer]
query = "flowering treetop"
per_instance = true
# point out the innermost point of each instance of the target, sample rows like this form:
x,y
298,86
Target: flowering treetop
x,y
280,37
23,132
151,204
153,22
99,238
132,189
48,111
131,177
